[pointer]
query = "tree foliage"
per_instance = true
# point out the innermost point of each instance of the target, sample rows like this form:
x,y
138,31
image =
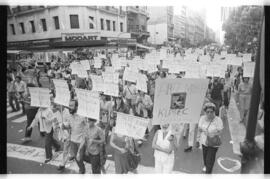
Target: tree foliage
x,y
242,26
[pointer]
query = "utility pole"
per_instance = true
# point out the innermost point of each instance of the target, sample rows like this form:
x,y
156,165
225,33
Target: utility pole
x,y
248,147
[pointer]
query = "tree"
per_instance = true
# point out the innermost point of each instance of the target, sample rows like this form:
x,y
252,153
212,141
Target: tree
x,y
242,26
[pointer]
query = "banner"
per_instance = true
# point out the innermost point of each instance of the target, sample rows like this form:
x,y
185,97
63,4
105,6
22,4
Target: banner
x,y
110,77
97,83
178,100
79,70
97,62
141,83
129,75
247,57
111,89
131,126
85,64
88,103
62,92
248,70
40,97
237,61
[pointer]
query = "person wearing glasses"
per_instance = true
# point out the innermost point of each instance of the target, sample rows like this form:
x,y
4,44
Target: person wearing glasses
x,y
210,126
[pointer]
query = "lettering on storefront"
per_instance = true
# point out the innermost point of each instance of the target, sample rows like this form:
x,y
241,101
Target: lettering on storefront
x,y
79,36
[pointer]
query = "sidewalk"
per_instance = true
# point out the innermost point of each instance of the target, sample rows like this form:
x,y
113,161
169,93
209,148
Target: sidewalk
x,y
237,129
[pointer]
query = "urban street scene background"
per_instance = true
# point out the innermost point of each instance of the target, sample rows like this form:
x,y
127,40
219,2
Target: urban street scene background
x,y
135,89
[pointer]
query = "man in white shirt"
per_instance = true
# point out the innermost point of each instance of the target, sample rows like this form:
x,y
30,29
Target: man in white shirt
x,y
46,120
129,93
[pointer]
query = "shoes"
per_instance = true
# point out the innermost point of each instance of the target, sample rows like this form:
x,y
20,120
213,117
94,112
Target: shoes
x,y
47,160
204,169
61,168
140,142
188,149
26,139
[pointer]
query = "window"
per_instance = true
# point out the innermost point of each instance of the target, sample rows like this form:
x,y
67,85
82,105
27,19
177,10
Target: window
x,y
22,28
121,26
101,24
108,24
56,22
33,26
74,22
91,25
113,25
12,29
44,25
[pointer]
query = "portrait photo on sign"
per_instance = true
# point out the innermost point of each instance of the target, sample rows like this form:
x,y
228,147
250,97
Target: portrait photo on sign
x,y
178,100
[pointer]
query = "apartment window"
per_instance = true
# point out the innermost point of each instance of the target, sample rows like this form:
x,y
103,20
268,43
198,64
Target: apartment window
x,y
56,22
22,27
44,25
113,25
33,26
12,29
74,22
121,26
101,24
108,24
91,25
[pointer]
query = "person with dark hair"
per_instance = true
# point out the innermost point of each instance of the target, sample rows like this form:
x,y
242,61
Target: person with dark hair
x,y
20,87
92,140
12,95
30,113
76,125
217,95
210,126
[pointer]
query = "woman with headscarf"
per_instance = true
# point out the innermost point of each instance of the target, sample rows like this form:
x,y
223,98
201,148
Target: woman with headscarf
x,y
210,127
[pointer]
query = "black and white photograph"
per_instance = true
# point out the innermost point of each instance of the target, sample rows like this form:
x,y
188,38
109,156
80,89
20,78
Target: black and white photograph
x,y
83,83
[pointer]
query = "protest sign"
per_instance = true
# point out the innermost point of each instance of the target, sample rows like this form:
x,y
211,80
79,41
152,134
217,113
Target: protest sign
x,y
109,69
111,89
97,62
131,126
110,77
237,61
178,100
88,103
97,83
141,83
40,97
248,70
85,64
194,71
247,57
62,92
129,75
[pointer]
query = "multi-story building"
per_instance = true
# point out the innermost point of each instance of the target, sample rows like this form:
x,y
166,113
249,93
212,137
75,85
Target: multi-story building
x,y
137,17
160,24
60,26
190,30
180,24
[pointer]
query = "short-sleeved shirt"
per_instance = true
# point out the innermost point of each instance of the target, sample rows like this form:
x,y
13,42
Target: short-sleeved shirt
x,y
77,124
95,133
129,91
216,124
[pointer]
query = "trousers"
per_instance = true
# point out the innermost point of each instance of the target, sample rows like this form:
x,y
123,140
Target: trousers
x,y
30,114
49,143
209,157
11,98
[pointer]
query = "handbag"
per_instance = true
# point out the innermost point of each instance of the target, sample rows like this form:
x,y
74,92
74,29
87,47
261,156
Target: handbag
x,y
133,158
213,141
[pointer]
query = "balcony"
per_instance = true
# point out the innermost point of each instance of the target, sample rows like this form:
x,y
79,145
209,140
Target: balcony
x,y
137,31
138,10
109,9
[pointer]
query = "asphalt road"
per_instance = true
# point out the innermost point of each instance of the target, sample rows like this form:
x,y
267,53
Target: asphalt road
x,y
190,162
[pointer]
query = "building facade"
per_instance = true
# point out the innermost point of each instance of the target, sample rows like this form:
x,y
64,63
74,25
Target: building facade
x,y
160,24
180,24
137,17
65,23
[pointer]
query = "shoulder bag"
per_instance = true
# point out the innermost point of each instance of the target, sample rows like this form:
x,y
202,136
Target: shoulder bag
x,y
213,141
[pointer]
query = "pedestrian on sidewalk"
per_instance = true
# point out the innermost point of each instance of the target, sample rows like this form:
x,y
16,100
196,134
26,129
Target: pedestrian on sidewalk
x,y
164,144
30,111
93,138
77,126
244,90
217,95
46,119
12,95
210,127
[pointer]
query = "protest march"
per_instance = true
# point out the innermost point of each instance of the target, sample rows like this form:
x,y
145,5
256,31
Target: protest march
x,y
85,100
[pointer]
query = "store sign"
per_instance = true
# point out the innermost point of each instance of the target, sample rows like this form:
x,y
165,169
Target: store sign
x,y
79,36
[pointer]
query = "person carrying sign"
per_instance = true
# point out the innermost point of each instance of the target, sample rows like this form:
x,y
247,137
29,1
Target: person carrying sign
x,y
20,87
46,119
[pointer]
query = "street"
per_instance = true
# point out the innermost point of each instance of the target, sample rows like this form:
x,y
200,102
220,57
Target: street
x,y
190,162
